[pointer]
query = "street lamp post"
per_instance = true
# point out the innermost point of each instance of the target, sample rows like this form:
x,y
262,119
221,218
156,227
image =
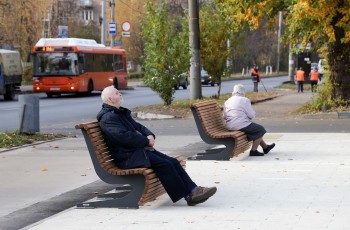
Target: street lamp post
x,y
112,19
103,23
196,85
279,41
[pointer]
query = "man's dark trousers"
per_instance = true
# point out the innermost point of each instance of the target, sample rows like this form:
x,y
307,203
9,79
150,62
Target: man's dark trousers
x,y
171,174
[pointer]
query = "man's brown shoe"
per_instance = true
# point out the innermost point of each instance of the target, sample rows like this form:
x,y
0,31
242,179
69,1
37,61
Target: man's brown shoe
x,y
201,195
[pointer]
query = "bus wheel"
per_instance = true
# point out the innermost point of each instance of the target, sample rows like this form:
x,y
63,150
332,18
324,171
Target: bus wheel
x,y
115,82
10,93
49,95
90,86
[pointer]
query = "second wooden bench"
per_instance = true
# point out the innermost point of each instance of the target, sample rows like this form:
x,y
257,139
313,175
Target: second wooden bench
x,y
211,127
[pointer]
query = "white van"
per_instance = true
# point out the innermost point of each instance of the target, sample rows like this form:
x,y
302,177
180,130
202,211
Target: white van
x,y
321,65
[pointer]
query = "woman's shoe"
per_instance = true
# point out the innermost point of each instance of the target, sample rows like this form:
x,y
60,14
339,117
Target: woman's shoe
x,y
268,148
255,153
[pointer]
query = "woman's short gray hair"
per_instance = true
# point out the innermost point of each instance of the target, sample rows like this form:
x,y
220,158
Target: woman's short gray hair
x,y
106,93
238,89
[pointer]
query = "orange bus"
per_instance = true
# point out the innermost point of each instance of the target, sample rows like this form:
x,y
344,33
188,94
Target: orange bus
x,y
75,65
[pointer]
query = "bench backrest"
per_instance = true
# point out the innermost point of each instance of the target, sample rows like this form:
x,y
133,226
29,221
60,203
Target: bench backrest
x,y
93,131
210,114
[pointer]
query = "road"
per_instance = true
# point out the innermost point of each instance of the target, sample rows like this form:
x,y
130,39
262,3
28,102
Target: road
x,y
60,114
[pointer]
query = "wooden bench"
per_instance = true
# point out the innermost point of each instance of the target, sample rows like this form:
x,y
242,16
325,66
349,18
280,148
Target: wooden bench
x,y
134,187
211,127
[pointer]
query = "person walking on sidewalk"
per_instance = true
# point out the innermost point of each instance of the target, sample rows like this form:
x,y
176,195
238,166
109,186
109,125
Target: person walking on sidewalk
x,y
238,115
300,78
131,144
314,76
255,77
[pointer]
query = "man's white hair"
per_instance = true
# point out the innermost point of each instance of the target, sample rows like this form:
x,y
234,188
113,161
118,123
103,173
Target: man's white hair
x,y
106,93
238,89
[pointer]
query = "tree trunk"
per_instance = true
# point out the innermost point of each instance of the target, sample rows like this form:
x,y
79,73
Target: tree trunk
x,y
339,64
219,90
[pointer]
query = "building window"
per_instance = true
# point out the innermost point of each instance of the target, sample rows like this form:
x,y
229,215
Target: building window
x,y
87,15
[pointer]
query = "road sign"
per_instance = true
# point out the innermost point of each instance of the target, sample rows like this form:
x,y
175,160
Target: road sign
x,y
126,26
112,28
125,34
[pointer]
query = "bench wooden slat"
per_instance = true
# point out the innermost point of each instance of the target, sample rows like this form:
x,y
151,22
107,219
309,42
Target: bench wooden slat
x,y
145,184
148,197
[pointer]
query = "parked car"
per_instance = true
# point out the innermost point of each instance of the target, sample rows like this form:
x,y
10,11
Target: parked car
x,y
181,81
206,78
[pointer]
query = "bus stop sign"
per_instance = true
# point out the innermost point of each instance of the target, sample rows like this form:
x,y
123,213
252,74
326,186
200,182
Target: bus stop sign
x,y
112,28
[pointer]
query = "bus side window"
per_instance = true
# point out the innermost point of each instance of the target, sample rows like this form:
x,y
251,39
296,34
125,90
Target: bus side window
x,y
117,63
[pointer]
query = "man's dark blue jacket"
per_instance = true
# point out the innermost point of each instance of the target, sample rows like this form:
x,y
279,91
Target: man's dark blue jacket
x,y
126,139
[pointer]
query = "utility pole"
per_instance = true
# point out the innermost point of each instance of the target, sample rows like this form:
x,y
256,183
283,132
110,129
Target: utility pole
x,y
291,64
195,79
279,41
112,4
103,23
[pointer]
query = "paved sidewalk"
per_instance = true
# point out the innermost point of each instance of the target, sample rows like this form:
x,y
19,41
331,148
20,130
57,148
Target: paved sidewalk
x,y
300,185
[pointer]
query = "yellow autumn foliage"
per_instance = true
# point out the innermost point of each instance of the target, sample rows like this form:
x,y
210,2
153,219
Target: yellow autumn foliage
x,y
21,23
306,20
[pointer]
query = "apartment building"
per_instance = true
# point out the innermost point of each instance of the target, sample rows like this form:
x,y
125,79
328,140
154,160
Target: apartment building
x,y
62,12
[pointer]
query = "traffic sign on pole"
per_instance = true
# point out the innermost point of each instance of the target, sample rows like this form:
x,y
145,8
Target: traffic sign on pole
x,y
125,34
112,28
126,26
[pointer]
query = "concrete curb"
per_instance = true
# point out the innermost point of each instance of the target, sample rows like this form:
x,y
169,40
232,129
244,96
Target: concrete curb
x,y
2,150
329,115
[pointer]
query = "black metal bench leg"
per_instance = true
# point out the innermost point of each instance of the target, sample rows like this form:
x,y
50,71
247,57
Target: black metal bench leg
x,y
130,200
113,195
216,154
120,191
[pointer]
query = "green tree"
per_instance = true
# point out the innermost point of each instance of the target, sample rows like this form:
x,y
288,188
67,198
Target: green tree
x,y
215,31
166,49
322,23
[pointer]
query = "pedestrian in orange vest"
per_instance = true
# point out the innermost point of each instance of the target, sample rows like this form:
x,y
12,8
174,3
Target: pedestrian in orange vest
x,y
255,77
300,78
314,76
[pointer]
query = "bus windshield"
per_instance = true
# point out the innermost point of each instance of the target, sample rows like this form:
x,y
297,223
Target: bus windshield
x,y
56,64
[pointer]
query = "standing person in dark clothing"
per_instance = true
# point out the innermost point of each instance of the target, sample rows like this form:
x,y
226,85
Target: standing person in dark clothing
x,y
131,144
255,77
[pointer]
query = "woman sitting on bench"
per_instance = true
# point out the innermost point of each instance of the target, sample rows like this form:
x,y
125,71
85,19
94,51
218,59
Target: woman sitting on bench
x,y
238,114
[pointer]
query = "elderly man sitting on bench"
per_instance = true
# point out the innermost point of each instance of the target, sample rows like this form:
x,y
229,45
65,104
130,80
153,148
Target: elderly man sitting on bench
x,y
131,144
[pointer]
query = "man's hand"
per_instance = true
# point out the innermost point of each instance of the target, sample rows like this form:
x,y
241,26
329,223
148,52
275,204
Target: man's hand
x,y
151,140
